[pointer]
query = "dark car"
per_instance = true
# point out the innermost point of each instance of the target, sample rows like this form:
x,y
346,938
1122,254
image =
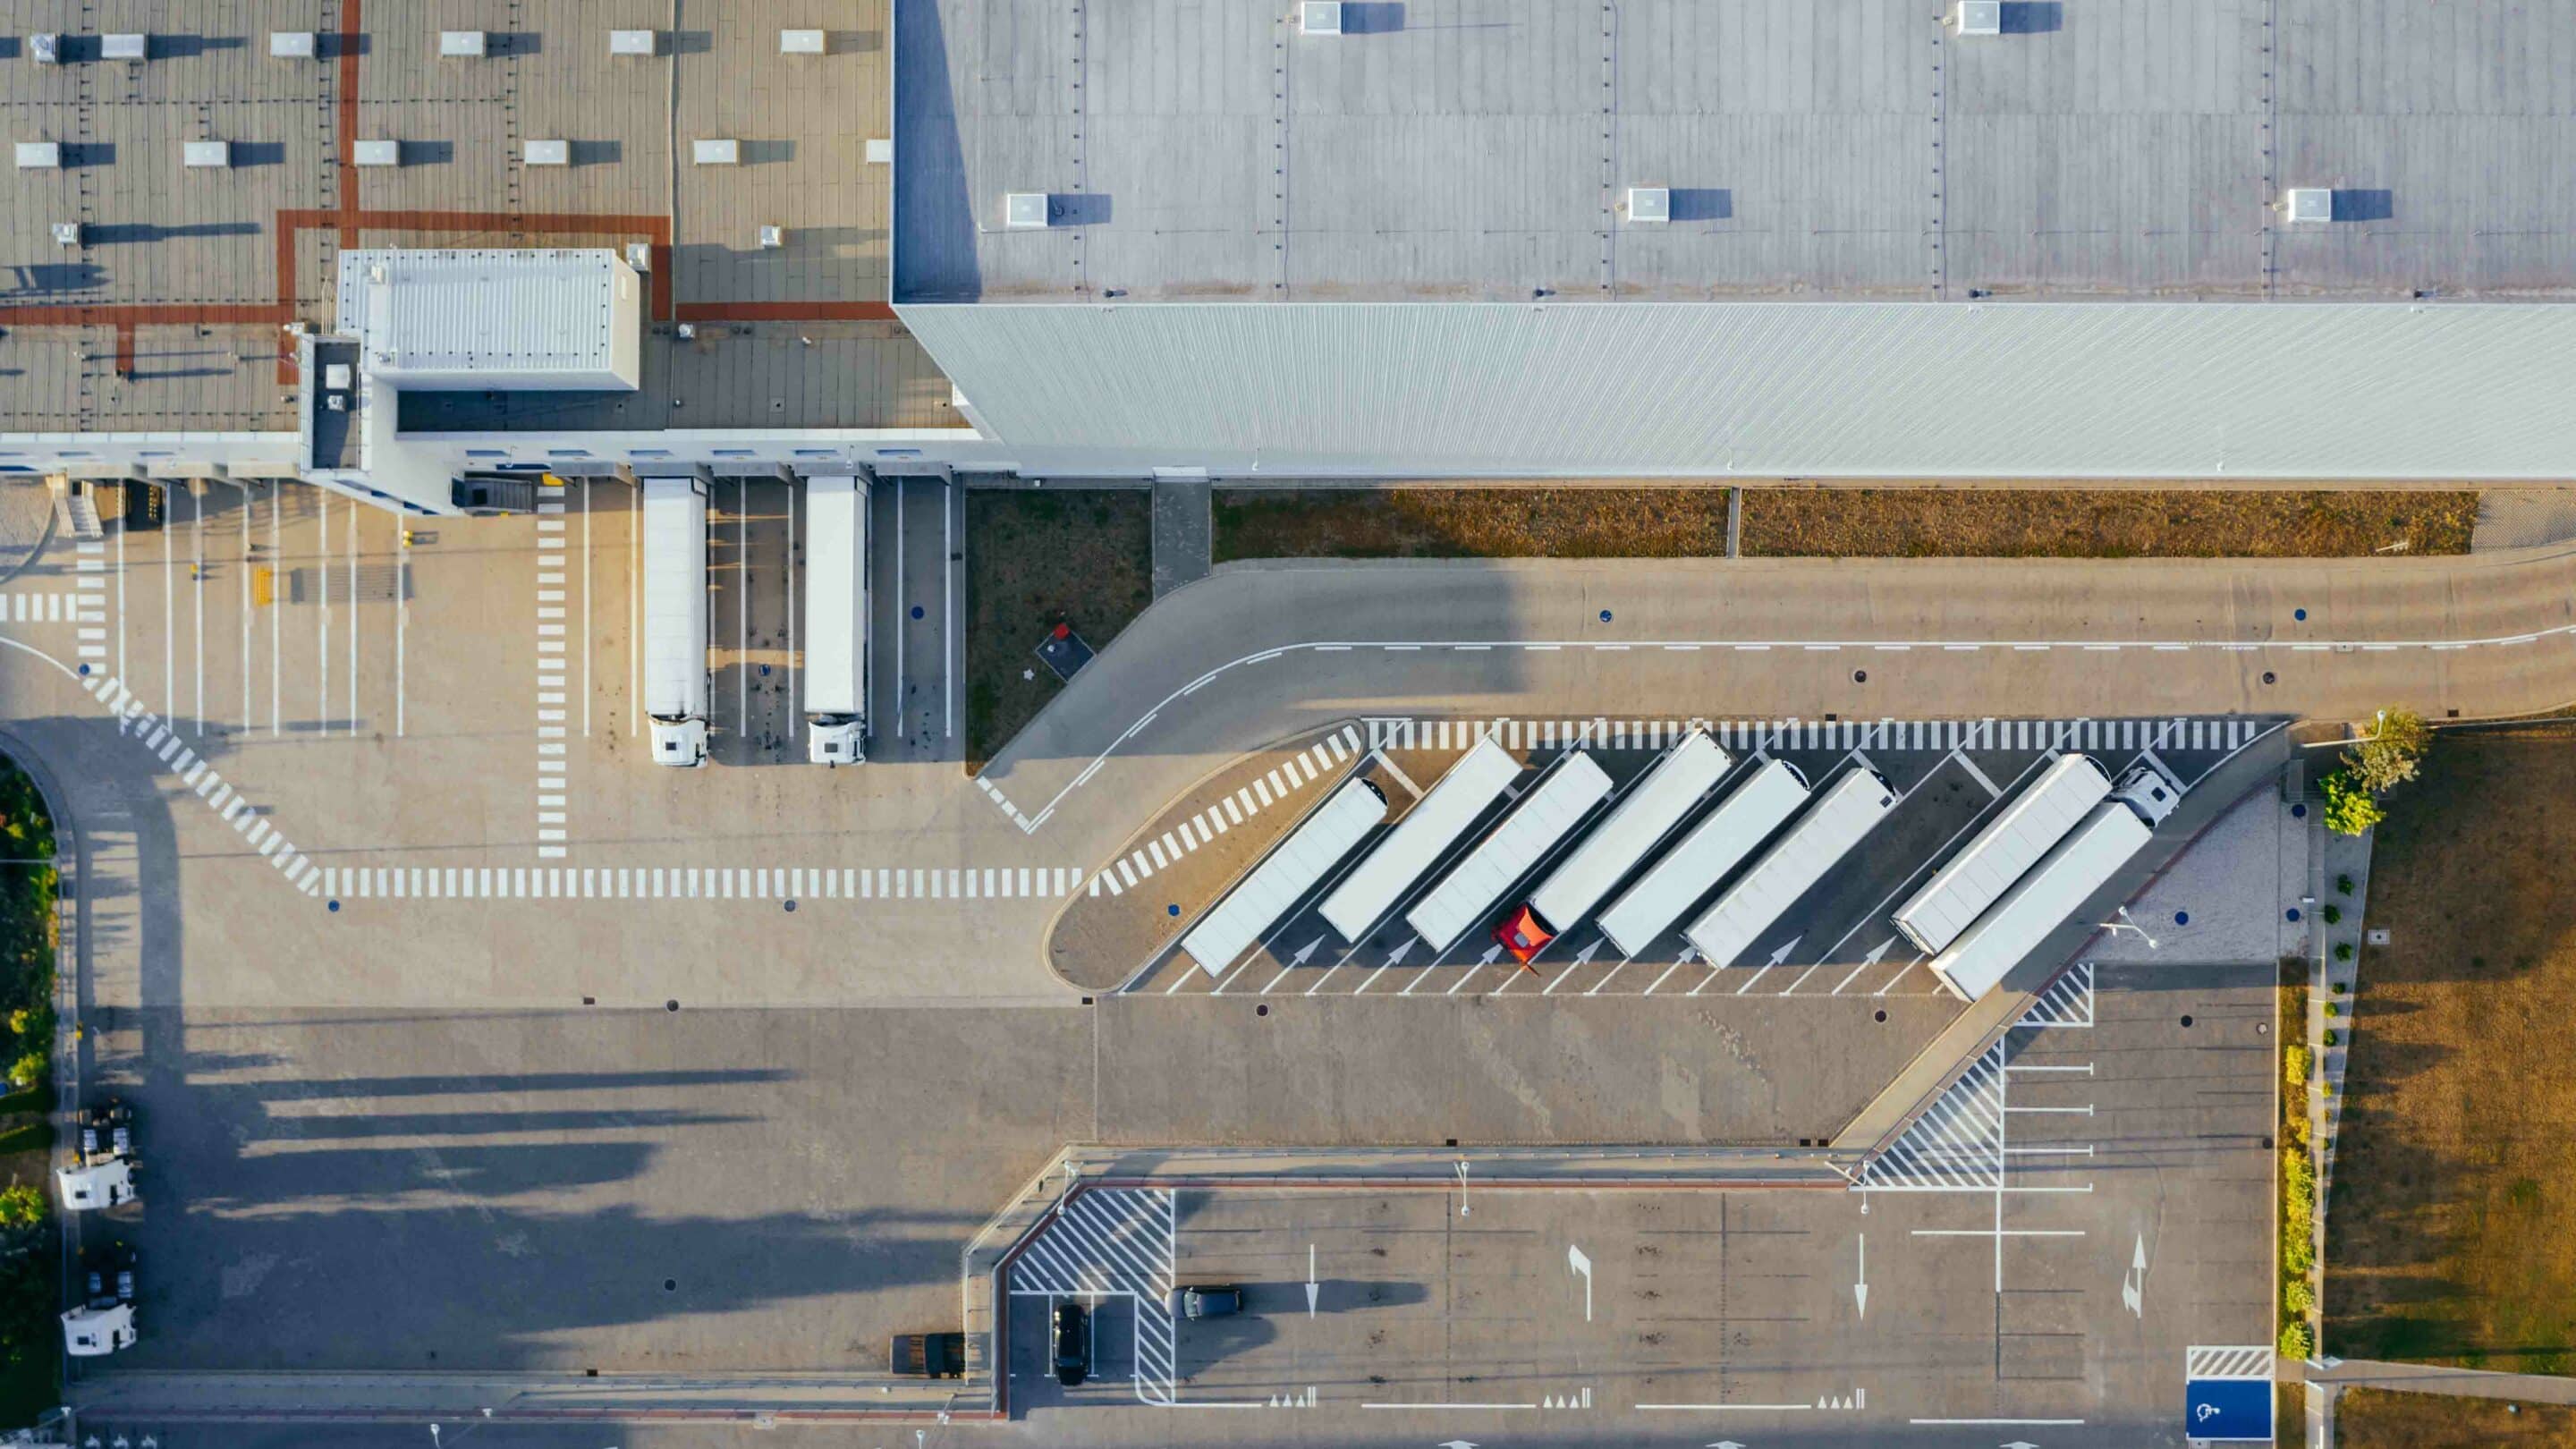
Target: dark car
x,y
1206,1301
1072,1344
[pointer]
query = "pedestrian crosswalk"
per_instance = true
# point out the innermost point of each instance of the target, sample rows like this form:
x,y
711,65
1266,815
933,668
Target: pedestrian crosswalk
x,y
1890,734
1958,1145
707,883
1282,782
248,821
1111,1242
2068,1001
553,778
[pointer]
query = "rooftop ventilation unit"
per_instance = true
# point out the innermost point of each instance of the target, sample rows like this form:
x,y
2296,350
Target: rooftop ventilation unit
x,y
881,150
773,237
547,153
1319,17
337,377
464,43
376,153
716,153
207,154
45,48
124,47
1650,203
291,45
1980,17
1024,210
800,42
2301,205
639,255
634,42
67,233
40,155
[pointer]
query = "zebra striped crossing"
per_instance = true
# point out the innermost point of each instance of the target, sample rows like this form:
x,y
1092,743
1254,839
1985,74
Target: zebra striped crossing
x,y
248,821
2176,733
2068,1001
1957,1146
712,883
1112,1242
1324,760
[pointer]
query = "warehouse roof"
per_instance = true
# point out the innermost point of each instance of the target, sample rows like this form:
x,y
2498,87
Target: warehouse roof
x,y
1442,150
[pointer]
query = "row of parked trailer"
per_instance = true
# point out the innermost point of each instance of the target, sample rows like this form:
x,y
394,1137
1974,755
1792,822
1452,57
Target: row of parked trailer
x,y
1768,841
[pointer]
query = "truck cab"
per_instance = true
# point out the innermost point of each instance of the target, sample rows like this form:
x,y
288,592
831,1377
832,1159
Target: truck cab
x,y
106,1182
680,741
96,1332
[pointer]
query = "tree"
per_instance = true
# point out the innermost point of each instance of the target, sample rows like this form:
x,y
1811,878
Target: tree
x,y
27,1070
21,1206
2350,810
2388,756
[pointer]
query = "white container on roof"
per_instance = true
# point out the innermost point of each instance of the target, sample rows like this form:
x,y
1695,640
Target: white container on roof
x,y
460,319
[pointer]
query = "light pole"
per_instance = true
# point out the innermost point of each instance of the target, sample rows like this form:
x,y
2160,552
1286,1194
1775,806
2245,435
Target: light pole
x,y
2127,924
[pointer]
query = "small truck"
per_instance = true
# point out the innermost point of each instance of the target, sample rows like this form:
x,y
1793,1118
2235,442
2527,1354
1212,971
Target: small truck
x,y
928,1356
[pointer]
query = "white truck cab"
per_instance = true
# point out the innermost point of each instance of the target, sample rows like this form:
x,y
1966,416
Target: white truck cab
x,y
90,1332
100,1182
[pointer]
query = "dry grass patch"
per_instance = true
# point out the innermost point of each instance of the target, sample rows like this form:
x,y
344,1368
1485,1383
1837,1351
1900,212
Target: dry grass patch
x,y
2107,523
2394,1419
1584,522
1035,559
2451,1232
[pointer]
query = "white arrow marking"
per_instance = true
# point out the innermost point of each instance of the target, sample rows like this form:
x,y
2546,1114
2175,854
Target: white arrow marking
x,y
1306,953
1457,1444
1725,1444
1399,953
1783,953
2021,1444
1577,1261
2133,1284
1860,1288
1492,953
1878,952
1313,1289
1584,956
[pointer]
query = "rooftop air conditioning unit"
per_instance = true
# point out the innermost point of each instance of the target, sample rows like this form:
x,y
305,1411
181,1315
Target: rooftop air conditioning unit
x,y
715,153
40,155
376,153
291,45
547,153
45,48
467,44
773,237
213,154
1650,203
634,42
336,377
1980,17
1319,17
124,47
1024,210
800,42
67,233
2304,204
880,150
639,255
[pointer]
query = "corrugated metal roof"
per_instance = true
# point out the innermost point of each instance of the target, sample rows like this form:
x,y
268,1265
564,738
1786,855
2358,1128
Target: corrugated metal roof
x,y
2033,389
492,318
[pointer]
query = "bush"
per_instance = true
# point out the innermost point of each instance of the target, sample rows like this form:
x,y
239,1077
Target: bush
x,y
2296,1342
2343,885
2333,1039
2333,914
2296,1062
2387,759
2350,810
2333,1011
21,1206
27,1070
2298,1299
2342,987
2343,950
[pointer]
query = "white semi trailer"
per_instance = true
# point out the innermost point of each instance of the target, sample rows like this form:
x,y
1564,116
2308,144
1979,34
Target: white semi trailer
x,y
1538,821
1691,869
836,619
1843,812
675,619
2059,885
1434,823
1656,804
1320,840
1977,877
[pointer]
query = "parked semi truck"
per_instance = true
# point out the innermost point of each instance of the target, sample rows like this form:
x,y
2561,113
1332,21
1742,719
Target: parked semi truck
x,y
1656,804
1333,830
1541,818
102,1170
1842,813
1756,807
2059,885
1427,830
103,1320
675,619
836,619
1977,877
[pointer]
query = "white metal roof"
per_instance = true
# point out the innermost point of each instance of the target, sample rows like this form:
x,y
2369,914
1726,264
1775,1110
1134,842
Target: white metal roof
x,y
1746,818
1542,818
1842,813
497,319
1435,821
1347,815
1653,807
2041,901
2012,842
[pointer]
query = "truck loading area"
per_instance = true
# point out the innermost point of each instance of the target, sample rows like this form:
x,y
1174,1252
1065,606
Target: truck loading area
x,y
1950,779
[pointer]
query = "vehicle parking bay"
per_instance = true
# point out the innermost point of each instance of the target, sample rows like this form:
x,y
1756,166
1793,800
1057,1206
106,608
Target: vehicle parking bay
x,y
1951,775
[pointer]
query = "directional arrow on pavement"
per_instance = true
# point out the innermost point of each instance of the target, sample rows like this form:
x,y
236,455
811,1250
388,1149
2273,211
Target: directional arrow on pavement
x,y
1860,1286
2021,1444
1584,956
1783,953
1306,952
1725,1444
1878,952
2133,1284
1457,1444
1313,1288
1396,956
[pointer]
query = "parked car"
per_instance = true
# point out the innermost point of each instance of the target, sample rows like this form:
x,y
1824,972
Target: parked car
x,y
1206,1300
1072,1344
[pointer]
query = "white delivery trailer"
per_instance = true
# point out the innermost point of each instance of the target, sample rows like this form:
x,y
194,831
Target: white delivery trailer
x,y
1427,830
836,619
1688,871
2059,885
1653,807
1843,812
2012,842
1541,819
675,618
1252,907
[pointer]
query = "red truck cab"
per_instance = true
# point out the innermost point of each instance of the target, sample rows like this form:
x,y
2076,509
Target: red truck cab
x,y
1523,935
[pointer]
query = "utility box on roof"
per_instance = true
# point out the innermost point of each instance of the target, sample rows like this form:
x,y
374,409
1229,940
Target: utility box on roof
x,y
2304,205
125,47
376,153
1650,203
633,42
800,42
215,154
502,320
1024,210
39,155
461,44
291,45
1980,17
715,152
547,153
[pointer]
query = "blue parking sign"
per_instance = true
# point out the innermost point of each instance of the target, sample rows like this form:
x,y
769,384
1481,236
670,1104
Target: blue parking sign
x,y
2228,1409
